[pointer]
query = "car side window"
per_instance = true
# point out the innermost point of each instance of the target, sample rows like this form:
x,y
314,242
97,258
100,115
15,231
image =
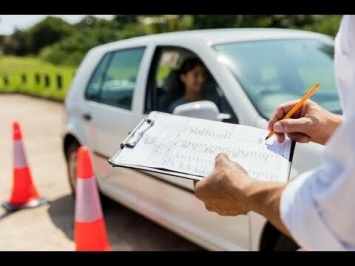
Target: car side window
x,y
168,59
94,87
116,78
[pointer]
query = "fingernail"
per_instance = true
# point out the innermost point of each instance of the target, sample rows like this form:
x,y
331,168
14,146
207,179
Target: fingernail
x,y
304,139
278,128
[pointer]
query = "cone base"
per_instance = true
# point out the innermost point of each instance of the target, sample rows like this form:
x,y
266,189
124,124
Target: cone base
x,y
91,236
31,204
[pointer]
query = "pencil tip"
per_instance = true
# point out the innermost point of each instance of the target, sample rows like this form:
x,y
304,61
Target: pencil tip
x,y
266,137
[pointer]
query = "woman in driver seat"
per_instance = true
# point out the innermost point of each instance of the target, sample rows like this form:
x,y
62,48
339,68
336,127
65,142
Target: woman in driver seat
x,y
192,76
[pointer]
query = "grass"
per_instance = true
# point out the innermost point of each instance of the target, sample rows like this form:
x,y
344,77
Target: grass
x,y
29,75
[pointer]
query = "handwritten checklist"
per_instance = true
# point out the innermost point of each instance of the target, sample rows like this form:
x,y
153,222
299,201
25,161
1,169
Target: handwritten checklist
x,y
178,144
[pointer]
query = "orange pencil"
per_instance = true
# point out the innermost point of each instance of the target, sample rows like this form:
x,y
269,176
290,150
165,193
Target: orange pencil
x,y
297,105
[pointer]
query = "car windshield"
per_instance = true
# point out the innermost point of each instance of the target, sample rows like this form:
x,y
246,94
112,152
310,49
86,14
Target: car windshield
x,y
275,71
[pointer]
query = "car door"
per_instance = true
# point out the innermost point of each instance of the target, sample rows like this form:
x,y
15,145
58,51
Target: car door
x,y
231,229
110,99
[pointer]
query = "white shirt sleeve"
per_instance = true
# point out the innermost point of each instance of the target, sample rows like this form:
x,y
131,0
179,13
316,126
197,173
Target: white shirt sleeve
x,y
318,207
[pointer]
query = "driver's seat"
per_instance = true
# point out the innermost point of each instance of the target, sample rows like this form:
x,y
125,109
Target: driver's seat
x,y
168,97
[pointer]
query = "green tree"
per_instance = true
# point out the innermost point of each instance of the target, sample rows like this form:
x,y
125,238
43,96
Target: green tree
x,y
327,24
89,32
18,44
121,21
213,21
47,32
274,21
165,23
92,22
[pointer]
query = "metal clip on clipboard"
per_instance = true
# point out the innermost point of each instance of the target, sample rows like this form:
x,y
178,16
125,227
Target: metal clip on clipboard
x,y
137,133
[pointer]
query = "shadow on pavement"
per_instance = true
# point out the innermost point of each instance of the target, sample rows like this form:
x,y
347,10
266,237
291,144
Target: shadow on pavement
x,y
61,211
127,231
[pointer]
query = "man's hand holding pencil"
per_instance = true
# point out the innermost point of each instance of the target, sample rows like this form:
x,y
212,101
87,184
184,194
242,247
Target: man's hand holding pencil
x,y
303,121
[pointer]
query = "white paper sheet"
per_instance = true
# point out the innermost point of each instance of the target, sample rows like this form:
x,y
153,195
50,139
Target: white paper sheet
x,y
190,145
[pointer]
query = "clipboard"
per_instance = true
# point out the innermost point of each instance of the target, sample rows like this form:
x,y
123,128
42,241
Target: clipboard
x,y
186,147
137,133
131,141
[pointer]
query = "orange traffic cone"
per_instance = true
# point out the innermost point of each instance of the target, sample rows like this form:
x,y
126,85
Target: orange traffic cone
x,y
89,230
24,193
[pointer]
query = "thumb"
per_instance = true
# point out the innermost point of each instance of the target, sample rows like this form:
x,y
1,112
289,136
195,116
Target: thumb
x,y
221,159
300,125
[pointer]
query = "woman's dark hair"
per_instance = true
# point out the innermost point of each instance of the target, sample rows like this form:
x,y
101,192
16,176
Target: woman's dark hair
x,y
190,63
187,65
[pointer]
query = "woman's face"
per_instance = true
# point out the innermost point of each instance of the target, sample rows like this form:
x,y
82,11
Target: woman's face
x,y
194,79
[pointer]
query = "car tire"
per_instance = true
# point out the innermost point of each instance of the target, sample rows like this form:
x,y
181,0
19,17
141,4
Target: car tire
x,y
71,160
285,243
274,240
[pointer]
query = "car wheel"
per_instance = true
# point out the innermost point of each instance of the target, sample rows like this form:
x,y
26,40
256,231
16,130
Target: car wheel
x,y
285,243
71,159
274,240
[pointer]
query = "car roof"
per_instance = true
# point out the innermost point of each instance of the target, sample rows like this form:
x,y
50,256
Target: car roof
x,y
222,35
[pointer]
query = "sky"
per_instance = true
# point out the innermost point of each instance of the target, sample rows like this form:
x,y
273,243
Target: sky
x,y
8,23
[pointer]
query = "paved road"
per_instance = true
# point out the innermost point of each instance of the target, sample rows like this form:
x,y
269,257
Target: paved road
x,y
50,227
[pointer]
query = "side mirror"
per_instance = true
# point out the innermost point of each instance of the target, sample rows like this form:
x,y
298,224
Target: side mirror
x,y
201,109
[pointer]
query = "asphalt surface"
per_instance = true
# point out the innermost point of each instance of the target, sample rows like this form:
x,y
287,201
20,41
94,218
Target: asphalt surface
x,y
50,227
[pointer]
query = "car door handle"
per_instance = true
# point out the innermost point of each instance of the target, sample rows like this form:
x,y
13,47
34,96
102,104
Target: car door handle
x,y
87,116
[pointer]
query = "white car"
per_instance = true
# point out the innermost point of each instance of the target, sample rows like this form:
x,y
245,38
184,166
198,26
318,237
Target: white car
x,y
251,71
